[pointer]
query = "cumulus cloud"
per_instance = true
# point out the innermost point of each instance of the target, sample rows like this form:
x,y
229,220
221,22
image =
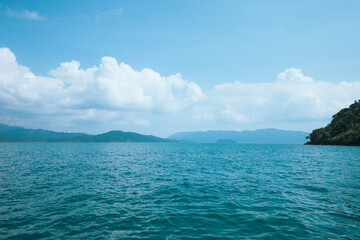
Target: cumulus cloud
x,y
292,97
26,14
101,91
115,93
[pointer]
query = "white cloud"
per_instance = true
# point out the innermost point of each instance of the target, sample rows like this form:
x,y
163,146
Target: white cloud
x,y
292,97
204,116
113,11
110,12
25,14
118,86
115,94
103,91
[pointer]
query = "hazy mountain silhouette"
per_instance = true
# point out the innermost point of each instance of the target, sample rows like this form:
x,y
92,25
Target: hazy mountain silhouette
x,y
257,136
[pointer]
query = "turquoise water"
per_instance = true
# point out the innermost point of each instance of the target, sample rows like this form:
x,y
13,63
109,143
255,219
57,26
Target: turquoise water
x,y
178,191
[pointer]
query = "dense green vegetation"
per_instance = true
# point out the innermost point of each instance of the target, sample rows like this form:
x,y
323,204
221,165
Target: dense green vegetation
x,y
19,134
344,128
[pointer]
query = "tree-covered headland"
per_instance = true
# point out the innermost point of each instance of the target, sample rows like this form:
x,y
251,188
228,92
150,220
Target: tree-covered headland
x,y
344,128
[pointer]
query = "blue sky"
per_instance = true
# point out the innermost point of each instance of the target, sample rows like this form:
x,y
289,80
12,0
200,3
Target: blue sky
x,y
242,64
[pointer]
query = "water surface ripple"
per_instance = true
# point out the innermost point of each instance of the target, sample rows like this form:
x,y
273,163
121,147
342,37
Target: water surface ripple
x,y
178,191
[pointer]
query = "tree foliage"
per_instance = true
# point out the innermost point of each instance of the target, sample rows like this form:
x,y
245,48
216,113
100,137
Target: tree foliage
x,y
344,128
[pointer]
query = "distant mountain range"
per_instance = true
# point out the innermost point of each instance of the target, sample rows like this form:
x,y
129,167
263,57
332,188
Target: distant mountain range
x,y
258,136
19,134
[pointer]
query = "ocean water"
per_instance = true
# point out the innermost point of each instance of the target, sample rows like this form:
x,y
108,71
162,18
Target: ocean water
x,y
178,191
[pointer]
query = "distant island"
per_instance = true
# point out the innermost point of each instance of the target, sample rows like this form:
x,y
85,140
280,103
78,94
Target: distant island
x,y
261,136
19,134
276,136
344,128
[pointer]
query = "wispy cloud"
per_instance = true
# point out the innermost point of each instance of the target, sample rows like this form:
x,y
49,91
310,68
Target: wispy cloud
x,y
110,12
26,14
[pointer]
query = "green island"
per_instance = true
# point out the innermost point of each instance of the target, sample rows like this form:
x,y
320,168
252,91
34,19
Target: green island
x,y
344,128
19,134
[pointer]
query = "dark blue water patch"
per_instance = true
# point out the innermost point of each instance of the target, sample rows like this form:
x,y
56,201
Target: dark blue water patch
x,y
178,191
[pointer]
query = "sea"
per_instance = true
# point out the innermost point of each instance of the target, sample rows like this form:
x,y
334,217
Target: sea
x,y
178,191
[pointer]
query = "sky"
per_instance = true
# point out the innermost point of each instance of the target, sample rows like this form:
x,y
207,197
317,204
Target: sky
x,y
160,67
